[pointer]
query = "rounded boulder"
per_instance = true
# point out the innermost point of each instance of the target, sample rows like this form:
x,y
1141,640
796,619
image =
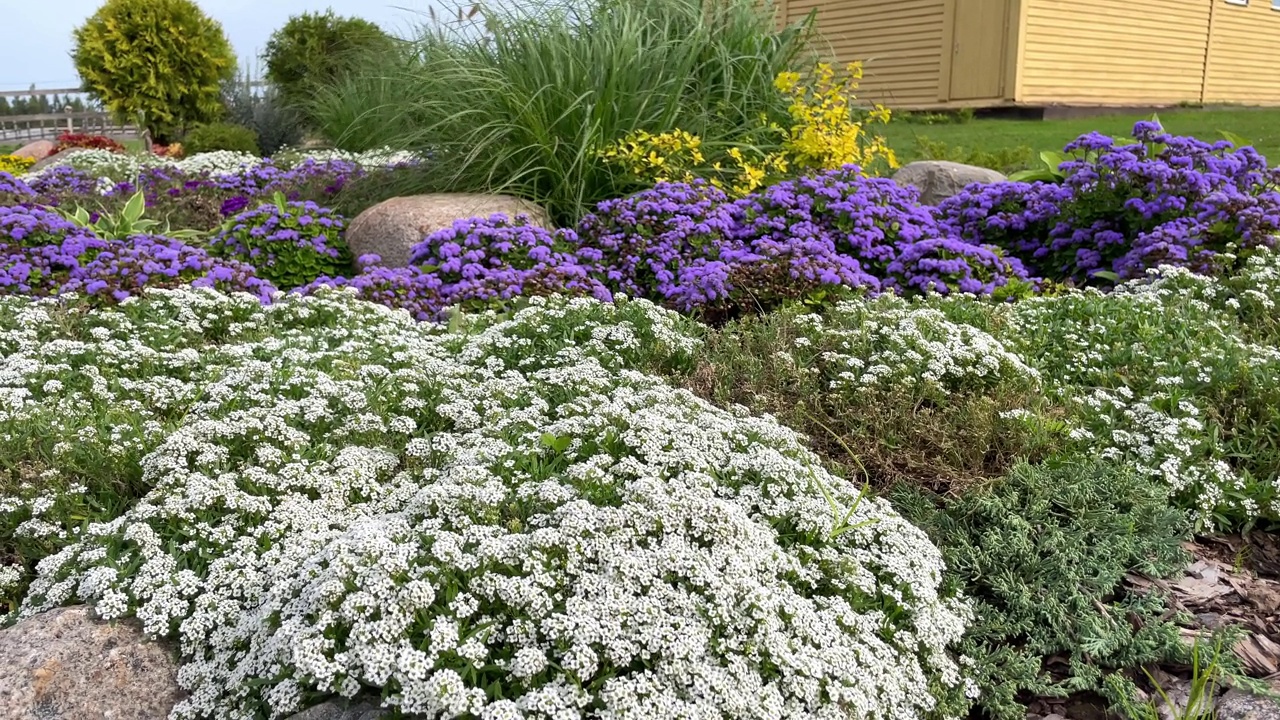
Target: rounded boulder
x,y
938,180
391,228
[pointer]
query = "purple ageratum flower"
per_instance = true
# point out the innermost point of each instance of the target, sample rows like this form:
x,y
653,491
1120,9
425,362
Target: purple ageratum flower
x,y
286,251
127,267
483,262
665,243
947,265
33,226
63,185
14,191
408,288
234,205
1123,208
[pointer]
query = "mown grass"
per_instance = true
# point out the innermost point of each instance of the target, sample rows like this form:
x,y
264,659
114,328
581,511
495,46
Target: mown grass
x,y
1261,125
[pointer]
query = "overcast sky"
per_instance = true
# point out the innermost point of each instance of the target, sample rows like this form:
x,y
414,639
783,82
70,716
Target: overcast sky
x,y
37,39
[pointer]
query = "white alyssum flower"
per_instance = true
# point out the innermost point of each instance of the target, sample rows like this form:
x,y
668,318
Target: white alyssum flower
x,y
553,519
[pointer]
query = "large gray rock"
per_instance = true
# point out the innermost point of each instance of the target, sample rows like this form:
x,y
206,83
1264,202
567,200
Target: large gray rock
x,y
938,180
1238,705
342,710
66,665
391,228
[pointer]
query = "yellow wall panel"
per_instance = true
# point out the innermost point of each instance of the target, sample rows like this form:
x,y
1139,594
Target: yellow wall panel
x,y
1091,52
900,44
1244,55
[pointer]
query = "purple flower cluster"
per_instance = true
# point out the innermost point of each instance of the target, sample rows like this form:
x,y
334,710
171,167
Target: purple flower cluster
x,y
408,288
810,238
290,243
34,226
122,269
481,262
667,243
1125,208
13,190
63,185
74,260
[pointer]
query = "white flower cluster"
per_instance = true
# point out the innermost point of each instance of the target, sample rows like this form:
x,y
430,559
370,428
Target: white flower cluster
x,y
894,344
341,499
1141,366
113,167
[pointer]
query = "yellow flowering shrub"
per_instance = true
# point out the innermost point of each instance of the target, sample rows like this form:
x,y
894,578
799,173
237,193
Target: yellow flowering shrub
x,y
826,132
15,165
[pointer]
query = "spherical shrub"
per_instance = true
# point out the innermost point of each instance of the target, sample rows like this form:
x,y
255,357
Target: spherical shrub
x,y
163,60
483,262
290,243
220,136
664,243
315,48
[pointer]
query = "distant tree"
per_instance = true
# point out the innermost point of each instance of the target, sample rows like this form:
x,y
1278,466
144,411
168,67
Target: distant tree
x,y
315,48
158,61
21,106
4,106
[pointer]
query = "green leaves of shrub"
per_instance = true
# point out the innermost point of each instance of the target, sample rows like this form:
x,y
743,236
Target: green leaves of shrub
x,y
220,136
1043,554
161,61
128,222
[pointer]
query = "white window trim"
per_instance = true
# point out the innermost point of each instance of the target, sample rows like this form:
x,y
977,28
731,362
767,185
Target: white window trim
x,y
1242,3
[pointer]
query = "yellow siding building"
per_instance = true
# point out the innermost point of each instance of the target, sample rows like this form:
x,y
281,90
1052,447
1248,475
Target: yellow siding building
x,y
922,54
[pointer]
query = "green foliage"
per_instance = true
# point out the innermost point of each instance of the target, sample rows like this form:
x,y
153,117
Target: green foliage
x,y
290,244
1042,555
128,222
1005,160
943,117
277,126
314,49
158,62
525,106
220,136
861,381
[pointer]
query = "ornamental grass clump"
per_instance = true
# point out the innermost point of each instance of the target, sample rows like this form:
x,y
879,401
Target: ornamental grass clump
x,y
290,243
522,99
500,522
487,262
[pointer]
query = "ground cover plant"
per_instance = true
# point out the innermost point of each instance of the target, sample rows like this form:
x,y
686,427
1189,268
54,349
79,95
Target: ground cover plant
x,y
814,451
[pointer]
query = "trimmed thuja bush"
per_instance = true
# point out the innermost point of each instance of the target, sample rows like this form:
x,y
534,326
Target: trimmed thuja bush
x,y
158,62
506,521
526,104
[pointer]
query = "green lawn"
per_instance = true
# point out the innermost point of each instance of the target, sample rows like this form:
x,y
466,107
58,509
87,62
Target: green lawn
x,y
1262,126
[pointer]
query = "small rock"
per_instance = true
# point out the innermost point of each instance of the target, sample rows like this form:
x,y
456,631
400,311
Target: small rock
x,y
56,158
1239,705
37,150
938,180
392,227
66,665
342,710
